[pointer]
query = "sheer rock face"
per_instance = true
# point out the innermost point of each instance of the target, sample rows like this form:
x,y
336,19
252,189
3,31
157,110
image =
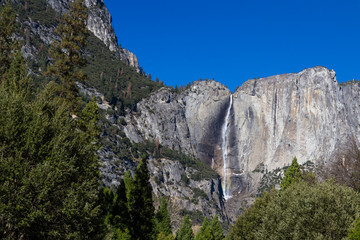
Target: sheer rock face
x,y
189,122
307,115
99,22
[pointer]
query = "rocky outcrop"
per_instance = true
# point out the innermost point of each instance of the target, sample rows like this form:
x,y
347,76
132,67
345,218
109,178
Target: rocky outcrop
x,y
99,22
271,120
171,179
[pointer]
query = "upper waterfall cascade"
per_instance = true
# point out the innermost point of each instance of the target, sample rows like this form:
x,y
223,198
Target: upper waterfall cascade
x,y
224,147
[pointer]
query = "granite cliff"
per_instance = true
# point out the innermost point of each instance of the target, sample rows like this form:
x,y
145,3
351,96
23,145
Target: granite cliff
x,y
268,122
99,23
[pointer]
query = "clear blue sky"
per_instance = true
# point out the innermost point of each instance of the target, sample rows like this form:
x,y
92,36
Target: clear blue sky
x,y
234,40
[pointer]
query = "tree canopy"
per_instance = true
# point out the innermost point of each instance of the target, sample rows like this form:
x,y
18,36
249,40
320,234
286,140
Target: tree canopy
x,y
302,211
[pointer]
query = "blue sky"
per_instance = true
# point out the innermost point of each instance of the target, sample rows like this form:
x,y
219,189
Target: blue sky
x,y
233,41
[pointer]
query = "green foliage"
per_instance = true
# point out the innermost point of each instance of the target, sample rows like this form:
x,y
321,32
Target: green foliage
x,y
292,175
302,211
49,173
216,229
130,212
197,217
185,232
162,219
198,193
205,231
67,53
140,203
122,85
354,233
8,46
204,170
88,122
16,78
162,236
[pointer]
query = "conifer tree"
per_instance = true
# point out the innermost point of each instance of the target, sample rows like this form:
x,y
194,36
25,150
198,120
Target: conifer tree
x,y
205,231
162,236
8,46
49,173
216,229
140,204
88,121
292,175
67,53
185,232
120,209
128,184
163,222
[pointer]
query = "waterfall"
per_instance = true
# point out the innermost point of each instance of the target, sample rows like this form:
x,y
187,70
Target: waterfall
x,y
224,147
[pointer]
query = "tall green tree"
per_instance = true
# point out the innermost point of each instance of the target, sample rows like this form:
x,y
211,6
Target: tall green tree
x,y
205,231
67,53
293,174
140,204
162,219
216,229
49,172
185,232
8,45
120,210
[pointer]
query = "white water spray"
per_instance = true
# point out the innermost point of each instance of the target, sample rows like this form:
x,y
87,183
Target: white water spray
x,y
224,147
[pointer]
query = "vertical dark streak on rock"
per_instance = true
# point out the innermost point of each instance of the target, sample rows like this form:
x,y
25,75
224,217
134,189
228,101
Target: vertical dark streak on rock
x,y
253,91
274,106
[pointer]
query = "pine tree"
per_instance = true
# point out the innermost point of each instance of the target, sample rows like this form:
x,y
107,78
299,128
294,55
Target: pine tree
x,y
292,175
67,53
163,222
205,231
8,46
89,119
120,209
128,184
185,232
162,236
16,78
140,204
216,229
49,173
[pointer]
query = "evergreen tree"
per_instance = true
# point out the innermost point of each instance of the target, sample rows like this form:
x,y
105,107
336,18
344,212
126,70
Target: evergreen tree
x,y
205,231
8,45
185,232
67,53
120,209
163,222
293,174
128,184
303,211
162,236
140,204
16,79
216,229
49,173
88,121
